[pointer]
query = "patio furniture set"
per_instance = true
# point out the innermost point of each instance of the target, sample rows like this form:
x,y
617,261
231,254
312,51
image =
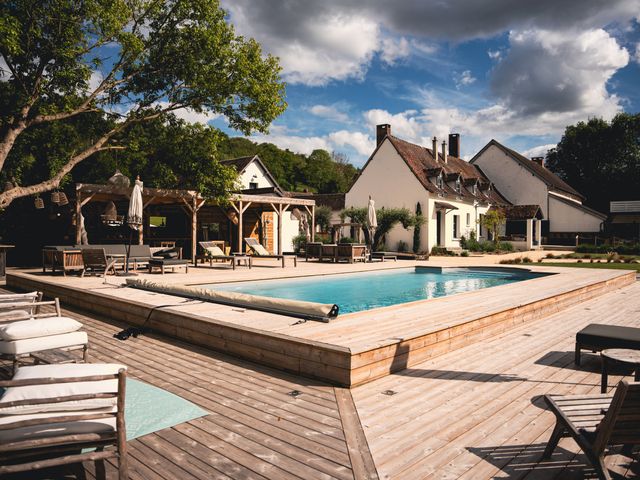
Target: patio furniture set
x,y
102,259
599,421
53,412
344,252
213,252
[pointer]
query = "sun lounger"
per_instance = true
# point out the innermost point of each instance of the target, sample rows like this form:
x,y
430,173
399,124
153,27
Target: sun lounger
x,y
597,337
171,263
596,422
260,252
54,415
14,306
212,252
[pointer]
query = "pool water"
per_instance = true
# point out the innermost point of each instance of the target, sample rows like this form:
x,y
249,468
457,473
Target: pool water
x,y
354,292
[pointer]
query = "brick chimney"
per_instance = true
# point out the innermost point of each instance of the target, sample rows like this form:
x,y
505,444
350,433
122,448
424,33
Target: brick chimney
x,y
434,148
538,160
382,131
454,144
444,151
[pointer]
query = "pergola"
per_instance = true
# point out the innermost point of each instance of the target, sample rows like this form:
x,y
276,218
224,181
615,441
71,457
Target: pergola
x,y
192,202
280,205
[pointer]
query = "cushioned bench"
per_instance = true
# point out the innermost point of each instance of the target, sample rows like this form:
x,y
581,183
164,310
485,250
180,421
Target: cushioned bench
x,y
597,337
171,263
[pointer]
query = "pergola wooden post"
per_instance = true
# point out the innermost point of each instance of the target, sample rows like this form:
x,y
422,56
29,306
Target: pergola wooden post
x,y
193,210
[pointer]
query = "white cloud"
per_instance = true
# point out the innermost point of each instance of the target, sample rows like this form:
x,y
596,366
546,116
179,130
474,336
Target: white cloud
x,y
539,151
330,112
636,57
295,143
191,116
494,54
392,49
360,142
568,71
464,79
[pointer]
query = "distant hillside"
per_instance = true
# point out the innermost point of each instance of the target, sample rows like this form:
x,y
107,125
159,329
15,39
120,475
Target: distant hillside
x,y
320,172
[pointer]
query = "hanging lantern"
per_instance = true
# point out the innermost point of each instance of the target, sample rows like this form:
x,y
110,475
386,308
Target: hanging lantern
x,y
38,203
55,197
233,216
119,180
62,199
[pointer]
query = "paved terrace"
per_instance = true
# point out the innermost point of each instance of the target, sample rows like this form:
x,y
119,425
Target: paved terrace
x,y
473,413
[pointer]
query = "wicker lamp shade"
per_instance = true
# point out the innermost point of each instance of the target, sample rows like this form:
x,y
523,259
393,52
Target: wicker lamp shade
x,y
38,203
55,197
62,199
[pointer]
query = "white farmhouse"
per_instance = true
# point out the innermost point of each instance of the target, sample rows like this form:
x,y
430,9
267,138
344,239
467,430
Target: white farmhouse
x,y
523,181
255,179
451,192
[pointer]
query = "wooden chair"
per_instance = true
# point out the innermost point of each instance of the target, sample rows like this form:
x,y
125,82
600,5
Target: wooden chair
x,y
95,260
259,251
211,251
597,421
62,437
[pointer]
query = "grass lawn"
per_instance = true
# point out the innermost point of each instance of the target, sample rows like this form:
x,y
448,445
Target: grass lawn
x,y
617,266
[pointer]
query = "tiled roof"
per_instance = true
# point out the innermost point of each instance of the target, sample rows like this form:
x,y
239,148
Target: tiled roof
x,y
551,179
240,163
333,200
521,212
424,165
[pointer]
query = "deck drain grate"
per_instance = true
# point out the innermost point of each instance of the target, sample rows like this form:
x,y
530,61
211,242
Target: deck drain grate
x,y
294,393
389,392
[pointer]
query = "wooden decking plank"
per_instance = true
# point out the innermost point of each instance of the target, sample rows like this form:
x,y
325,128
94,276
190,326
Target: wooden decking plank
x,y
361,460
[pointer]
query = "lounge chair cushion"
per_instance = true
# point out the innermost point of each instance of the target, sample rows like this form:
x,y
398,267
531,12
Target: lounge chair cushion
x,y
260,250
215,251
609,336
38,344
167,253
103,425
13,394
38,327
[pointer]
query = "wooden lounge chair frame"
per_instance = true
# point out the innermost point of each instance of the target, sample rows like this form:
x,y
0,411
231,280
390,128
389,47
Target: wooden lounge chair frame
x,y
225,258
252,242
596,421
51,451
95,259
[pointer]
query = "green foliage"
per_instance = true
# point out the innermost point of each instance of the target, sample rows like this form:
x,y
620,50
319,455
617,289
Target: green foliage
x,y
354,215
147,59
299,242
323,217
492,221
388,218
440,251
631,249
464,253
416,230
600,159
347,240
402,247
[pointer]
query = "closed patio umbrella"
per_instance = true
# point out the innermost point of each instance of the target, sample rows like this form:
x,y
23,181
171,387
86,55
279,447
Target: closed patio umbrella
x,y
372,220
134,215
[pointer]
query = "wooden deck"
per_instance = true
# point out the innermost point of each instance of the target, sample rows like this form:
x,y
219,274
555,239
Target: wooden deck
x,y
347,351
476,413
255,429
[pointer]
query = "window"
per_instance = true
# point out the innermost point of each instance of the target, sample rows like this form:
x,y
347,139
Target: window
x,y
439,182
253,185
456,226
468,219
475,189
158,222
458,185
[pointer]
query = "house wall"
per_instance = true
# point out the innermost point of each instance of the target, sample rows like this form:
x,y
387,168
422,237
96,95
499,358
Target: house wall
x,y
465,228
254,173
566,218
391,184
513,181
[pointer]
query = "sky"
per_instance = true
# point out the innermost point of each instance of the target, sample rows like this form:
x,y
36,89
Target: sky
x,y
515,71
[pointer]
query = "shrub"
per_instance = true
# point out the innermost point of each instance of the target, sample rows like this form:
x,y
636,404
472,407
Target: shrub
x,y
402,246
505,246
540,260
631,249
347,240
579,261
526,260
436,250
464,253
549,255
299,241
517,260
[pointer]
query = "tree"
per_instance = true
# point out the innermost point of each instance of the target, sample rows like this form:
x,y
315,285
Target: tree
x,y
492,221
323,217
600,159
387,219
416,229
128,62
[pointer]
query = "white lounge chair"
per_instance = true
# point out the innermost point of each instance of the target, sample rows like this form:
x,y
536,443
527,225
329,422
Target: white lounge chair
x,y
21,338
51,414
18,305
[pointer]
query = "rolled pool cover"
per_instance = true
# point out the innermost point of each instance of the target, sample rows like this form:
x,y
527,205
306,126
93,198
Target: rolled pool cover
x,y
293,308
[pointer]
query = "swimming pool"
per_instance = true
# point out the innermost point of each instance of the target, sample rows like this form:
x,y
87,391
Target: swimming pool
x,y
355,292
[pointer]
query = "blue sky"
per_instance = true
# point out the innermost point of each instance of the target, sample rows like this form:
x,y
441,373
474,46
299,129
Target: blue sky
x,y
518,72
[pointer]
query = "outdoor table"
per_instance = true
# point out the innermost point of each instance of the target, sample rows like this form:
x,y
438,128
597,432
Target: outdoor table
x,y
619,356
241,257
